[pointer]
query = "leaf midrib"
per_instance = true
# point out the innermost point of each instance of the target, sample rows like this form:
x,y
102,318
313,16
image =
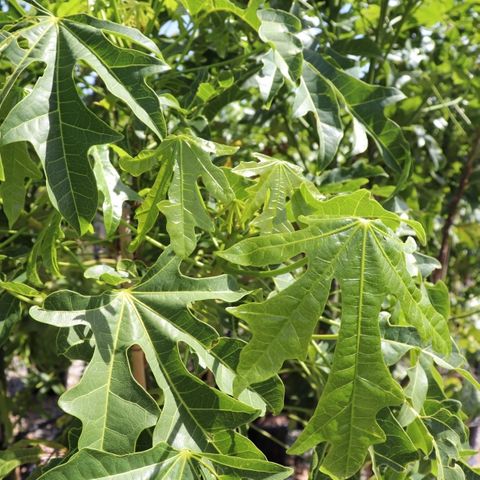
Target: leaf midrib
x,y
307,239
112,74
60,123
170,383
361,285
110,372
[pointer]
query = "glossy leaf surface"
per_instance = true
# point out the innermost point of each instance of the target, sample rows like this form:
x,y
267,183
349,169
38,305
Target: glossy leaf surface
x,y
54,119
154,316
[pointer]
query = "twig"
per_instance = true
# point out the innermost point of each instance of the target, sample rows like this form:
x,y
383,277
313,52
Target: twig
x,y
467,171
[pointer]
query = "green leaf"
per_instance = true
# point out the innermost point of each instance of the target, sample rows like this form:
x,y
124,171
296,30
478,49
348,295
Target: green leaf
x,y
322,87
280,29
359,205
147,213
318,96
398,450
430,12
440,298
368,261
53,118
399,340
313,94
45,248
163,462
17,166
153,315
114,191
107,274
448,434
189,159
9,315
277,181
248,14
185,209
223,360
416,391
17,455
363,46
366,104
143,162
269,79
20,288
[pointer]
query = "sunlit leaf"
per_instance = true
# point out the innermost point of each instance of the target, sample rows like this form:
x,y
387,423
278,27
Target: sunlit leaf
x,y
154,316
348,239
114,191
277,181
54,119
163,462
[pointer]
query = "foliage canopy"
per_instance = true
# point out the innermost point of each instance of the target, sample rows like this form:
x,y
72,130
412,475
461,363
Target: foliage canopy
x,y
217,207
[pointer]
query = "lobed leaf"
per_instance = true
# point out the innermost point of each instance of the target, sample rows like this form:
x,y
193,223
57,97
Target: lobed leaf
x,y
54,119
154,316
277,181
368,262
114,191
185,209
321,87
17,166
163,462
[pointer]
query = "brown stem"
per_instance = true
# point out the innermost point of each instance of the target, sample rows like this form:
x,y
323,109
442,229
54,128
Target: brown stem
x,y
137,357
467,171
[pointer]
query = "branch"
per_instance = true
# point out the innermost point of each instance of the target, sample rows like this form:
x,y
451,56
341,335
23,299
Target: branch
x,y
467,171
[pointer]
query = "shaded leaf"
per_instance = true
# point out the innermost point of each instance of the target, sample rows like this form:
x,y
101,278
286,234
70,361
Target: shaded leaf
x,y
313,94
17,455
223,360
322,86
20,288
143,162
17,166
399,340
398,449
45,248
9,315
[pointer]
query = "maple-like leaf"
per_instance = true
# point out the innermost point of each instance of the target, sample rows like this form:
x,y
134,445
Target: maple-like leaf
x,y
164,462
190,159
53,118
351,239
113,407
277,181
321,88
